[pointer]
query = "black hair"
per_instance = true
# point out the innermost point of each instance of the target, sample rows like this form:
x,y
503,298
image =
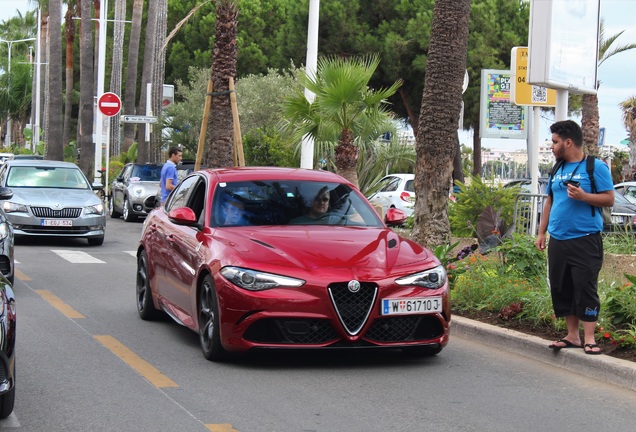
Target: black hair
x,y
568,129
173,151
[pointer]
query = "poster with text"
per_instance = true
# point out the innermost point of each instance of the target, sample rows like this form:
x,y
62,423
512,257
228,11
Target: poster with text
x,y
499,118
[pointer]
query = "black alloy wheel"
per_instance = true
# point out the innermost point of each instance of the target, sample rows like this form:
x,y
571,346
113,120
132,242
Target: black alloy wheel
x,y
145,307
209,335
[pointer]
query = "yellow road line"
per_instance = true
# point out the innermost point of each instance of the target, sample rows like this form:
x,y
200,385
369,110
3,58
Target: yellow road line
x,y
224,427
58,304
142,367
21,275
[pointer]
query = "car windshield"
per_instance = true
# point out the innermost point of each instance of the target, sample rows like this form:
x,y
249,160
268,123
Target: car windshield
x,y
287,202
146,172
46,177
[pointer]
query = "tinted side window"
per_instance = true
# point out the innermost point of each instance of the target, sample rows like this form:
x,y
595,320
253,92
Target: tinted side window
x,y
179,197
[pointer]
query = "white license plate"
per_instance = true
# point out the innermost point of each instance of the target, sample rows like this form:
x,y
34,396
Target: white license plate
x,y
618,219
411,306
57,222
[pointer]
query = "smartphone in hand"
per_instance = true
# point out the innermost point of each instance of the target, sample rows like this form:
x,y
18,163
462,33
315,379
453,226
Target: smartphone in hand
x,y
573,183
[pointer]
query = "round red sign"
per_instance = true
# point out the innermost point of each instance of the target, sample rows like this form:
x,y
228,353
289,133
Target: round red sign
x,y
109,104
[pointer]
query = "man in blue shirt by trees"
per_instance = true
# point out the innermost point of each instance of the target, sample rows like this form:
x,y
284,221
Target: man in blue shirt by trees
x,y
169,177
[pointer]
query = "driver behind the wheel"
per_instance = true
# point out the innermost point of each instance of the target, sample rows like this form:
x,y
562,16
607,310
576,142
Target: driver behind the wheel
x,y
316,208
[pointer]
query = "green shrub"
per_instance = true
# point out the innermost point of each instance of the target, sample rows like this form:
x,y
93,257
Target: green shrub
x,y
473,198
620,303
520,253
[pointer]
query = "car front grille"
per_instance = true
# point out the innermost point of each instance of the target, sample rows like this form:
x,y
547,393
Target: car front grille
x,y
5,264
353,308
291,331
48,212
405,328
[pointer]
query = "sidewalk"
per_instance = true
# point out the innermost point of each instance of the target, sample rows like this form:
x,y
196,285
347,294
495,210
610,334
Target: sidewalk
x,y
601,367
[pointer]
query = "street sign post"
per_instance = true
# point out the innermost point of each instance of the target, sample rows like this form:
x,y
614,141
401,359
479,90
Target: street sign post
x,y
138,119
109,104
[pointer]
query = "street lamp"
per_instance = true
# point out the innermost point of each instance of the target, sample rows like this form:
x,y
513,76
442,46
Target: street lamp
x,y
9,45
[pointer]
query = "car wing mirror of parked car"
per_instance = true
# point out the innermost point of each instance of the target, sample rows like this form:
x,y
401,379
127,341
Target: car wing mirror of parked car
x,y
5,193
394,217
183,216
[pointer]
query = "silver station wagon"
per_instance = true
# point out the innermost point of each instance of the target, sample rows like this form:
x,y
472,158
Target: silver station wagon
x,y
53,199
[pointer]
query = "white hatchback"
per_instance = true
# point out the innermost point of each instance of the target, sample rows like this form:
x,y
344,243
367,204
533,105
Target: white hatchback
x,y
394,190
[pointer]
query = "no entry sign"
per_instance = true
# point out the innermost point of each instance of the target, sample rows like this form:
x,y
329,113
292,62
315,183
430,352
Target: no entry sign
x,y
109,104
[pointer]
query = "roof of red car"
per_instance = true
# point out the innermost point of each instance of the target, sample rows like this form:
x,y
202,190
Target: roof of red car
x,y
270,173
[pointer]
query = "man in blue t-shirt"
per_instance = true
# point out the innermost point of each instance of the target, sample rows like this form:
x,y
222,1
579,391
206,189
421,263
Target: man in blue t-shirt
x,y
572,216
169,177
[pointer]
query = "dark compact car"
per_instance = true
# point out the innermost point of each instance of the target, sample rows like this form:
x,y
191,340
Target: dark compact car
x,y
7,313
286,258
134,192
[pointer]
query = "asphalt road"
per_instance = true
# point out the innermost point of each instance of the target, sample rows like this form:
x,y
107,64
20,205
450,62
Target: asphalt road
x,y
86,362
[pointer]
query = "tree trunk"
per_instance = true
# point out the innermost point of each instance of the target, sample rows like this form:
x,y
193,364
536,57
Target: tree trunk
x,y
439,117
476,151
219,135
590,124
158,76
87,92
130,97
346,157
55,144
115,76
44,31
146,77
69,33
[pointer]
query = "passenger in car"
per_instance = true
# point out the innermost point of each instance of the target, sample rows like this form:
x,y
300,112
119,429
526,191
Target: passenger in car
x,y
234,212
317,209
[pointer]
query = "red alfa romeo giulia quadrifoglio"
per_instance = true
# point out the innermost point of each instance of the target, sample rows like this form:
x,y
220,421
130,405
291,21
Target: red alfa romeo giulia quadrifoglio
x,y
287,258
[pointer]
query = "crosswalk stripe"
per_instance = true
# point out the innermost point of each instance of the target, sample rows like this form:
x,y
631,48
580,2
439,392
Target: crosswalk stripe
x,y
133,253
77,257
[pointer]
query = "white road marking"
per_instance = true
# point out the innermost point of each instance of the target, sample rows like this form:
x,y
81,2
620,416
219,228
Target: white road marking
x,y
77,257
133,253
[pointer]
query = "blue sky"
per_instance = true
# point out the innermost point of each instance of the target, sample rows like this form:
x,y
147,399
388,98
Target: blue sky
x,y
617,75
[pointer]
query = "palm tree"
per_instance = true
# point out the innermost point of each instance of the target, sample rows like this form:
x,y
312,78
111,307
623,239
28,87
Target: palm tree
x,y
345,110
15,99
589,108
131,72
55,145
220,125
115,76
437,138
629,119
69,36
87,91
146,77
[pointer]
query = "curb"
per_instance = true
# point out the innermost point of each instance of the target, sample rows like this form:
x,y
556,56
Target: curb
x,y
601,367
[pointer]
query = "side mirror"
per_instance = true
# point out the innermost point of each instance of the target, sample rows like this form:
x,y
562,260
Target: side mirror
x,y
394,217
183,216
5,193
97,186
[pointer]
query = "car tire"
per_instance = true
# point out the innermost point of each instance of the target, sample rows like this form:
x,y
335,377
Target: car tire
x,y
7,402
111,208
145,307
129,216
209,329
95,241
421,351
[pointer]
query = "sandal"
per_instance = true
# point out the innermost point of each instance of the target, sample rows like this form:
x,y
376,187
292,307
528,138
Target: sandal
x,y
566,344
590,349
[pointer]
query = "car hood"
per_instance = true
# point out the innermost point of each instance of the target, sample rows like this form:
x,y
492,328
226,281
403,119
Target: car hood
x,y
45,197
375,249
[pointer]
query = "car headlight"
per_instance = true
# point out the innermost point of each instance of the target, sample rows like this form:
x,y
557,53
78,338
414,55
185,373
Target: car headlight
x,y
432,279
138,191
11,207
4,231
96,209
256,281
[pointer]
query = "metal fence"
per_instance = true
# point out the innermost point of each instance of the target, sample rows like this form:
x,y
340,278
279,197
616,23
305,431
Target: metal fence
x,y
527,213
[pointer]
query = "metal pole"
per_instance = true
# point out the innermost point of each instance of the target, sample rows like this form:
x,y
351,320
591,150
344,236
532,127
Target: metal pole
x,y
38,58
101,66
307,147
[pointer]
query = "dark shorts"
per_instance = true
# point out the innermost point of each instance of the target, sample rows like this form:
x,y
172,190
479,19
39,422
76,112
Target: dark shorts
x,y
573,268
